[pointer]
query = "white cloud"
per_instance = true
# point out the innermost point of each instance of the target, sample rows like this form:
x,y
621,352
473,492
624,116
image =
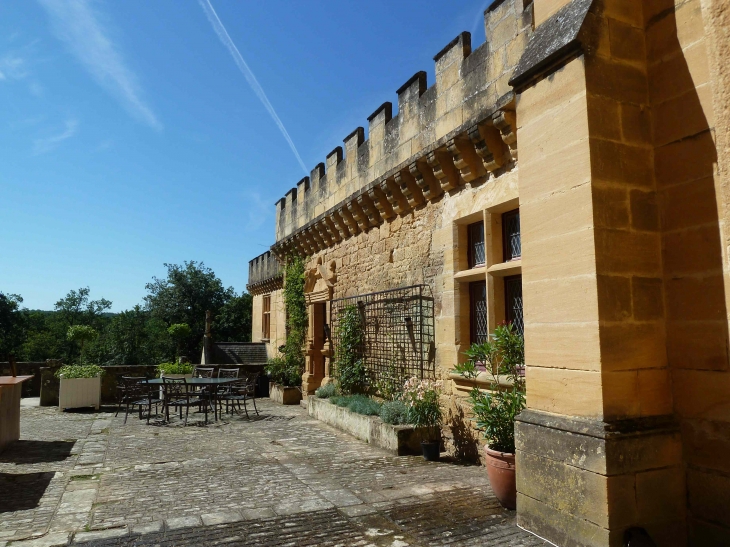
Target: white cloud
x,y
46,144
12,67
223,36
76,23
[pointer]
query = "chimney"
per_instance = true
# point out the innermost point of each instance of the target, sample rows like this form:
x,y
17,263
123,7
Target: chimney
x,y
207,340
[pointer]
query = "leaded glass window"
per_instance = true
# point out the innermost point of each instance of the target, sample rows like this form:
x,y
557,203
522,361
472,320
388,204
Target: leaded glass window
x,y
511,241
476,244
513,302
478,312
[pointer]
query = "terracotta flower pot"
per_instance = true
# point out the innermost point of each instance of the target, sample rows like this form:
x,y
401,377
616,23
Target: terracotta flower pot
x,y
501,473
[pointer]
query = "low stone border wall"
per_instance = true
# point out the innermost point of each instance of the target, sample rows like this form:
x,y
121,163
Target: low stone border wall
x,y
399,439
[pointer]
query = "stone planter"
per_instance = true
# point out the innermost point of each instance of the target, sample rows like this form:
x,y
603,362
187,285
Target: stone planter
x,y
399,439
284,395
79,392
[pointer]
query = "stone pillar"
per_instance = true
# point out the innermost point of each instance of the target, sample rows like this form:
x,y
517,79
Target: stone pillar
x,y
598,449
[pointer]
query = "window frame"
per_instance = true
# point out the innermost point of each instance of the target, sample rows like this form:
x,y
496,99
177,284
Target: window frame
x,y
474,288
508,309
266,317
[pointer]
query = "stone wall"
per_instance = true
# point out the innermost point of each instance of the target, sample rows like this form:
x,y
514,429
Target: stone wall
x,y
32,387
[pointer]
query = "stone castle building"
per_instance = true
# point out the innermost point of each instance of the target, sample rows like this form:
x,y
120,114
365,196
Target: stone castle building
x,y
570,175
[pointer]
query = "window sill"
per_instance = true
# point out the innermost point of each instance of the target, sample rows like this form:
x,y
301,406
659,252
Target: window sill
x,y
483,381
505,269
475,274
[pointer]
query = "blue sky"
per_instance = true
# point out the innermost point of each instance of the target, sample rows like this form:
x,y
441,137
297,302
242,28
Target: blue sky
x,y
131,136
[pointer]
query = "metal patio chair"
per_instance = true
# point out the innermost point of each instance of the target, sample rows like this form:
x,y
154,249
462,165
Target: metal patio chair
x,y
180,394
139,393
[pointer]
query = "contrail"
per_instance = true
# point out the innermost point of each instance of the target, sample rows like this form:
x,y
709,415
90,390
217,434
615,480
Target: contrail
x,y
220,30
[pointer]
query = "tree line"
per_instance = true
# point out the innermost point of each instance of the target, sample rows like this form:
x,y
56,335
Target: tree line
x,y
169,323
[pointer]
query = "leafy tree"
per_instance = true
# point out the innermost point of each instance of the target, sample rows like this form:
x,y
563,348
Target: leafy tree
x,y
81,334
233,323
12,324
297,319
180,333
77,309
184,296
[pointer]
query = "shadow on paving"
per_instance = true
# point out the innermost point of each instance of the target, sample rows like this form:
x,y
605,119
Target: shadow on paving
x,y
20,492
28,452
459,518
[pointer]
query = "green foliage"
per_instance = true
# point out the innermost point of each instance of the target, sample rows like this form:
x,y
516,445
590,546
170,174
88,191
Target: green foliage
x,y
284,372
495,411
138,336
389,385
183,296
81,334
326,391
421,397
297,320
180,333
394,412
233,323
349,365
360,404
174,368
79,371
12,324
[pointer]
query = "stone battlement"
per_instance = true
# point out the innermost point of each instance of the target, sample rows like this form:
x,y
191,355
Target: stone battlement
x,y
460,129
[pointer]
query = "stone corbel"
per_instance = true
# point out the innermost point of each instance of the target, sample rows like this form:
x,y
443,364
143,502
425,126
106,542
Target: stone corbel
x,y
332,229
506,122
314,239
340,224
465,158
395,197
377,196
367,206
489,146
409,188
301,244
425,180
360,217
350,222
444,169
321,229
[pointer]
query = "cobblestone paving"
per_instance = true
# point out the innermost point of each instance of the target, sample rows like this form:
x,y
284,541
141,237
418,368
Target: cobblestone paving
x,y
279,479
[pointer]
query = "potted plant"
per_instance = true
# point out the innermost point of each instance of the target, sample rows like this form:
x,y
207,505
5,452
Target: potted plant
x,y
285,379
421,397
175,370
80,386
502,357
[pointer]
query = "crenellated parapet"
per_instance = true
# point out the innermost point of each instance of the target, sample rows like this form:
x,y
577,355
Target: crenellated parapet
x,y
460,131
264,274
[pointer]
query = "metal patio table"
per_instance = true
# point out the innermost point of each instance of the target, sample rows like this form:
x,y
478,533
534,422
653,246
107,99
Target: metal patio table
x,y
212,382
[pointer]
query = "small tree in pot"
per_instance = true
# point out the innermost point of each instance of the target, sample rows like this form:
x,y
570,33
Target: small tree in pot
x,y
421,397
495,411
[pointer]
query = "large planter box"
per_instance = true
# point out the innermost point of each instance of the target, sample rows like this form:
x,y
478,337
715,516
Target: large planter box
x,y
399,439
79,392
284,395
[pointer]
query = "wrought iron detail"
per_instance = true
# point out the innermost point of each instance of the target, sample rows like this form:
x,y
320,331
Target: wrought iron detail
x,y
398,331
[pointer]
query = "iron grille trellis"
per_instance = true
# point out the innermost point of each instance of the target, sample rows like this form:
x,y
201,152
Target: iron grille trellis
x,y
398,331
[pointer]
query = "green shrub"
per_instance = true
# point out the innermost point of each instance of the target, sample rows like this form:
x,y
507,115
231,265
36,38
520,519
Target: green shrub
x,y
284,372
174,368
326,391
394,412
349,366
360,404
79,371
297,322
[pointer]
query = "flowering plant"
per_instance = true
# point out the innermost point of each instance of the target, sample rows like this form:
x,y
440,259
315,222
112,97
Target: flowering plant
x,y
421,397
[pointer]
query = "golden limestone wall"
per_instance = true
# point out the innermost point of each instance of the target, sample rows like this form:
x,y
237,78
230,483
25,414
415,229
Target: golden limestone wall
x,y
277,327
623,194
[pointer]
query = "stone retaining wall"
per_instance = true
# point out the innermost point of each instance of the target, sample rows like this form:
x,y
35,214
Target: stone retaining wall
x,y
399,439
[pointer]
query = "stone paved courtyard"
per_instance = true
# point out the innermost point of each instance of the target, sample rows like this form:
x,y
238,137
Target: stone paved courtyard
x,y
84,478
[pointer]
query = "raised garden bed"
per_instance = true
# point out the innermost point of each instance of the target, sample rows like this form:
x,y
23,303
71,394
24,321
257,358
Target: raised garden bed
x,y
284,395
399,439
